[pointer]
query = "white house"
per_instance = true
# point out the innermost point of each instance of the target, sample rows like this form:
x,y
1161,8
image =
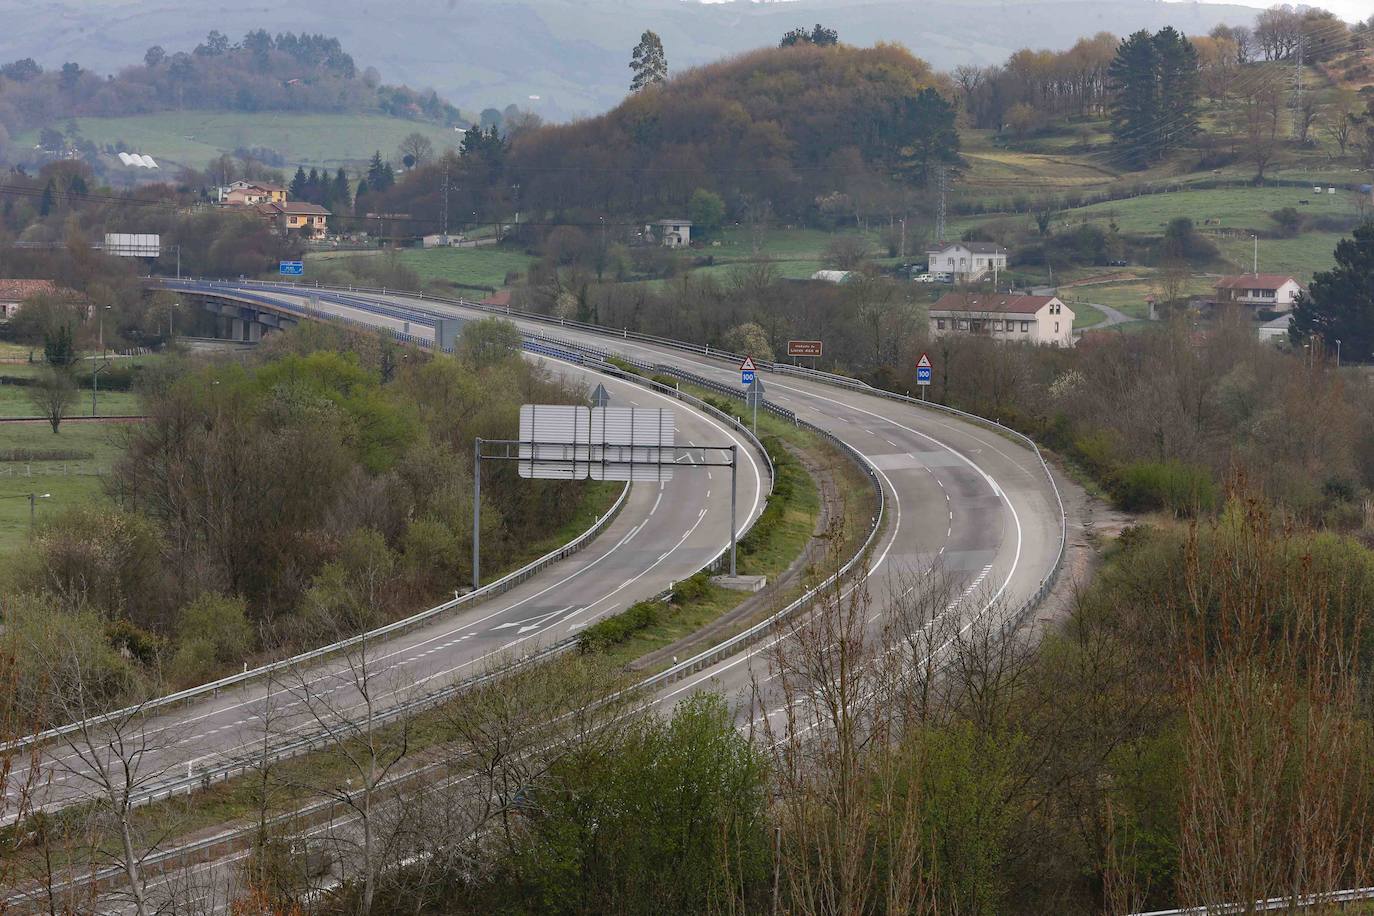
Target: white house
x,y
1276,292
966,262
1005,317
674,233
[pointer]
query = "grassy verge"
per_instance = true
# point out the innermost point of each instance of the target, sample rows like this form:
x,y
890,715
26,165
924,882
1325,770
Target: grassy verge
x,y
778,538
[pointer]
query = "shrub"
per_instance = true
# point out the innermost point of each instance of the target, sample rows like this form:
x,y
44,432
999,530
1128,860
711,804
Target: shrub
x,y
1173,486
617,629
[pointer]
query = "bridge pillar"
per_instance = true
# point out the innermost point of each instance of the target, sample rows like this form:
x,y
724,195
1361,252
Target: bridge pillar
x,y
255,329
236,329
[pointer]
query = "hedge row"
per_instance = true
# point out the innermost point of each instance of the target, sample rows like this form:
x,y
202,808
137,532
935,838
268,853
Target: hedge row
x,y
115,378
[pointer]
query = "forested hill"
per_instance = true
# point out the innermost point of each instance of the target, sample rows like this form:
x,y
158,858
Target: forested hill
x,y
573,53
787,129
259,72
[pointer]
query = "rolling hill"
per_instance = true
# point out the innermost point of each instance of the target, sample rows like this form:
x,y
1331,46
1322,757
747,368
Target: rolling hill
x,y
572,54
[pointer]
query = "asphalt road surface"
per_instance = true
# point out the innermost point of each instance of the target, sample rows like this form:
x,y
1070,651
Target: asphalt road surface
x,y
665,532
959,496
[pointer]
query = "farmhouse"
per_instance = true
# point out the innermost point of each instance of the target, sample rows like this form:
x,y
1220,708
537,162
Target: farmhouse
x,y
672,233
252,193
966,262
13,294
309,220
1276,292
1004,317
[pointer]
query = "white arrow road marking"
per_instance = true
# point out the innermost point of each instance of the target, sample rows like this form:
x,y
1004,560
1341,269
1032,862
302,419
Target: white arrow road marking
x,y
532,623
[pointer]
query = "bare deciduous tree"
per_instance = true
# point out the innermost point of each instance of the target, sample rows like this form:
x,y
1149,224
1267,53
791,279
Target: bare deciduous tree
x,y
53,395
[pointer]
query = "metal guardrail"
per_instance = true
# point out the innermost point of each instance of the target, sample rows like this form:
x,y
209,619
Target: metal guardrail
x,y
725,648
227,769
504,584
1046,583
1273,904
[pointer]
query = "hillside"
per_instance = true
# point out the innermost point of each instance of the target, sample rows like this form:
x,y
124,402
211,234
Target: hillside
x,y
569,53
193,138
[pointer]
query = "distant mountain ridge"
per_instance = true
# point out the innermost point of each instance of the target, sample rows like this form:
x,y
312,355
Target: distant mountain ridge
x,y
572,54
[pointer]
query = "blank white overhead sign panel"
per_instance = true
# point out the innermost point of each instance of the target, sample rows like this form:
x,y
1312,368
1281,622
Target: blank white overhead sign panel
x,y
553,441
562,442
632,443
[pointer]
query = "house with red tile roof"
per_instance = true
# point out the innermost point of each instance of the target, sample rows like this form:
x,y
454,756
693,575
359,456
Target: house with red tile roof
x,y
1275,292
13,294
1004,317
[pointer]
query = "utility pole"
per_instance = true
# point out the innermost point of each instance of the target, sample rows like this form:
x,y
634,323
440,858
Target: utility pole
x,y
1255,265
902,253
446,200
940,212
476,513
1297,96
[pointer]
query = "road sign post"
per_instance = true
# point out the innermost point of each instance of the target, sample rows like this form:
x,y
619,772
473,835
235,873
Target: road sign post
x,y
800,348
752,397
923,374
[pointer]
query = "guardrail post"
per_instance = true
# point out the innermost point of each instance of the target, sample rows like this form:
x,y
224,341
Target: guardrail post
x,y
476,512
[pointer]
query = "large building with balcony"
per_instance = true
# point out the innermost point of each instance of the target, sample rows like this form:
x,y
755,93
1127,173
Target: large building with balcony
x,y
967,262
1004,317
1274,292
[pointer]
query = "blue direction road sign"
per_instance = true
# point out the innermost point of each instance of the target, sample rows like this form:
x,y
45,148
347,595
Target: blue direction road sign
x,y
292,268
923,370
746,371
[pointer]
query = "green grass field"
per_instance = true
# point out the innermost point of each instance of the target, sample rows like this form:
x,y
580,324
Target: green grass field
x,y
1127,297
193,138
69,481
14,402
467,266
1230,208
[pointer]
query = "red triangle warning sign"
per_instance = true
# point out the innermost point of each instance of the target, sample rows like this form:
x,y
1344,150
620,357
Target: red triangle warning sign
x,y
923,362
747,365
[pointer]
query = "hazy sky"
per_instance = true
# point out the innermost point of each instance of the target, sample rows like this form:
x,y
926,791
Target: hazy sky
x,y
1349,10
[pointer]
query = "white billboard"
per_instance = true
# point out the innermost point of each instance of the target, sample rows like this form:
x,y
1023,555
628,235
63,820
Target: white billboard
x,y
554,443
635,443
562,442
127,245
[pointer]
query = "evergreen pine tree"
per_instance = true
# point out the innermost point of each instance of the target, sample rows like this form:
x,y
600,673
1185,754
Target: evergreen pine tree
x,y
297,187
313,190
1340,304
358,198
375,172
648,62
1178,89
49,200
340,192
1135,106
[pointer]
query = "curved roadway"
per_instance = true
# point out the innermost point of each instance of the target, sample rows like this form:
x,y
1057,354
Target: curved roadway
x,y
959,494
664,533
